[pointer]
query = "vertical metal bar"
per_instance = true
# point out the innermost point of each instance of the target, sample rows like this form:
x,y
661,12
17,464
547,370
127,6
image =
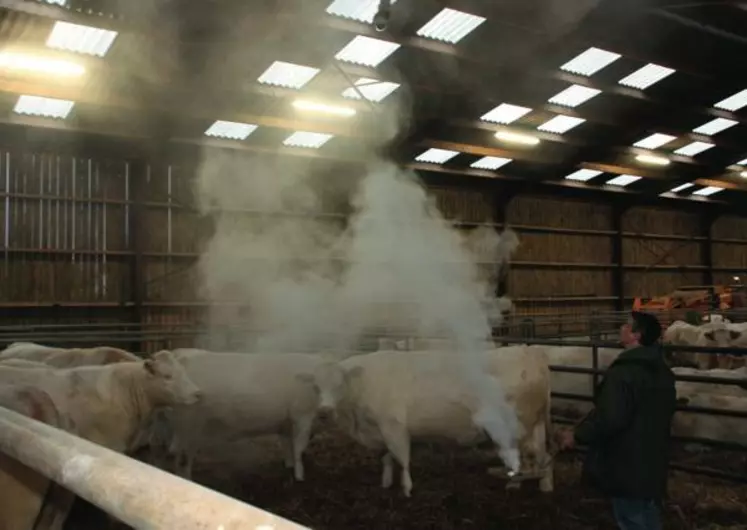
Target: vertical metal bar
x,y
58,201
618,272
97,231
90,256
73,207
40,202
7,203
168,242
127,206
595,365
137,180
105,263
706,251
6,235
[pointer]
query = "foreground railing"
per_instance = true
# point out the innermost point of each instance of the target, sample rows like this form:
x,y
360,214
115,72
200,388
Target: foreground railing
x,y
137,494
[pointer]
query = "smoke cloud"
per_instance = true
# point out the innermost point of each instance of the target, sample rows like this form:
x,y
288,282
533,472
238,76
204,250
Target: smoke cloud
x,y
283,274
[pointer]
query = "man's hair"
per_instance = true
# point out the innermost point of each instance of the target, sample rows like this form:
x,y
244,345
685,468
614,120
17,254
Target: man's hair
x,y
648,326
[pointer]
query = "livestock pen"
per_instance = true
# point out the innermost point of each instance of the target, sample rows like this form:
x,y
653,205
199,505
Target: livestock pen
x,y
454,489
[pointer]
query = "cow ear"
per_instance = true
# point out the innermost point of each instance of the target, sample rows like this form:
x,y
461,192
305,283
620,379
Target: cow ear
x,y
709,335
735,334
683,401
150,366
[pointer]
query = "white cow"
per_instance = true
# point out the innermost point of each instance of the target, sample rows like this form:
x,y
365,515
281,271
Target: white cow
x,y
105,402
66,357
711,388
107,405
389,398
716,334
247,395
19,506
716,318
709,426
22,363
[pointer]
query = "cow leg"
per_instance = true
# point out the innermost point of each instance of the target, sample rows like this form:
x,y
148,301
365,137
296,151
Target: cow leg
x,y
547,482
184,462
397,440
387,473
301,436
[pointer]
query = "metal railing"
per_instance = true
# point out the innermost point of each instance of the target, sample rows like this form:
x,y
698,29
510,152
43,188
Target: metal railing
x,y
137,494
114,334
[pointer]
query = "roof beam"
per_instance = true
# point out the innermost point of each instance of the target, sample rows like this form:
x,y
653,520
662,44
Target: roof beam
x,y
74,93
55,12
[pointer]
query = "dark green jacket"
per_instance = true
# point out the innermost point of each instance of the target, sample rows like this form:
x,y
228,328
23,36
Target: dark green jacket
x,y
628,432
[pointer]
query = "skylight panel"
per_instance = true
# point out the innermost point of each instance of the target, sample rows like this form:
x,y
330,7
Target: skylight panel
x,y
735,102
707,191
590,61
230,130
505,113
436,156
693,148
491,163
742,162
715,126
560,124
573,96
80,39
646,76
372,89
450,26
366,51
288,75
583,175
310,140
682,187
56,2
360,10
44,107
623,180
654,141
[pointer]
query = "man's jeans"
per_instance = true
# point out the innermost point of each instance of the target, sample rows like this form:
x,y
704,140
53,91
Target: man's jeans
x,y
636,514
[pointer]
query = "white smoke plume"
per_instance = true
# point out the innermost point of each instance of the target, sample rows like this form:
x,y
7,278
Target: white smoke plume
x,y
312,282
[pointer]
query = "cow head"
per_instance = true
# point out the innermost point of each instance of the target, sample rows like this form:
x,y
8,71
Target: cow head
x,y
716,334
168,382
330,380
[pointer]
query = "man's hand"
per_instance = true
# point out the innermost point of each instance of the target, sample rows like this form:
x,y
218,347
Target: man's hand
x,y
565,439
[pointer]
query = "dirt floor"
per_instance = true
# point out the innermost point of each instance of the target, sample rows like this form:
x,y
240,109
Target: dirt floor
x,y
452,490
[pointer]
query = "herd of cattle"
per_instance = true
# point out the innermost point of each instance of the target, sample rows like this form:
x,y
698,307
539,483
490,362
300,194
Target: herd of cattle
x,y
175,404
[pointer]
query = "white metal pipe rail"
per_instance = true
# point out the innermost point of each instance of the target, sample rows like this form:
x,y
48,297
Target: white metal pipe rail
x,y
137,494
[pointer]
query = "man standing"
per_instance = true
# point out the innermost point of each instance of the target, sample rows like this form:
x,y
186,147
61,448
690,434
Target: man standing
x,y
628,432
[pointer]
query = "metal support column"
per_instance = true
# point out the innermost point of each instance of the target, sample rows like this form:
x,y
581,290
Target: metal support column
x,y
618,272
706,252
137,180
502,197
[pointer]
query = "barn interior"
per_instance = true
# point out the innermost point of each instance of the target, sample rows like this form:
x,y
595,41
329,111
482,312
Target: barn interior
x,y
179,174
